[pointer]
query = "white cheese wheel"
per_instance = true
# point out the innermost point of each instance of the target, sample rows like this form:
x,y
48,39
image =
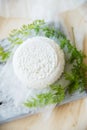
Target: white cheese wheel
x,y
38,62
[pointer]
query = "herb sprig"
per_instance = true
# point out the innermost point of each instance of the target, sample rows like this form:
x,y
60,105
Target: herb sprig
x,y
76,77
55,95
4,55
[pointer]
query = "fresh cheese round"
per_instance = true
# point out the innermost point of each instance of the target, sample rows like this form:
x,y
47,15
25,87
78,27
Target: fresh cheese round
x,y
38,62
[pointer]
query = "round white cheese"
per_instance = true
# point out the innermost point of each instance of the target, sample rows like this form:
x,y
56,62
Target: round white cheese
x,y
38,62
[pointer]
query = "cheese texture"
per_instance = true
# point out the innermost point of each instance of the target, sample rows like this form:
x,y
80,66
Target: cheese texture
x,y
38,62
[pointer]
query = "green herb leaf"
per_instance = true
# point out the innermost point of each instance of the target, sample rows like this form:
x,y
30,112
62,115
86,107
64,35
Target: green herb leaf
x,y
4,55
77,76
55,95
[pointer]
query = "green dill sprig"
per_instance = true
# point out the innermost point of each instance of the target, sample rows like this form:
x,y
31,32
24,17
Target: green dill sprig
x,y
38,27
55,95
77,76
75,55
17,36
4,55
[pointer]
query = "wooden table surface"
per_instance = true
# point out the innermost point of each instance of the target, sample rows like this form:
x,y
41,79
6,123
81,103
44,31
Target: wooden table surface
x,y
71,116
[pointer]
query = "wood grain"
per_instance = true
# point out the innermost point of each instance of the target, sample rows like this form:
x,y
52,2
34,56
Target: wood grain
x,y
71,116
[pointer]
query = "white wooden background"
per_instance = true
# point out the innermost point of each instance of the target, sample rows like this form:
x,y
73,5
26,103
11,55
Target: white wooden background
x,y
33,9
